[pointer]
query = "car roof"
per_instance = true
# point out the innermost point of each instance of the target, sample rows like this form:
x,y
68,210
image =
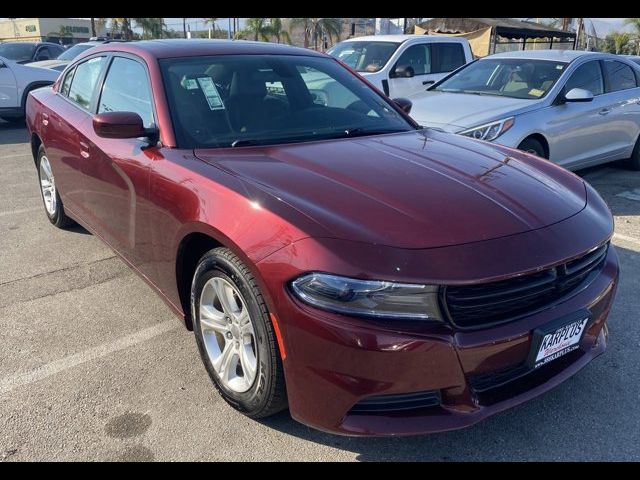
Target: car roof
x,y
170,48
405,38
552,55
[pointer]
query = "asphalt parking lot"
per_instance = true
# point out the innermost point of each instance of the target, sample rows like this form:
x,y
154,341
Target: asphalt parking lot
x,y
94,366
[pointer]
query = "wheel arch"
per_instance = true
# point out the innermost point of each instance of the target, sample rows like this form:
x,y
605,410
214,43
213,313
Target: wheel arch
x,y
540,138
32,86
196,239
35,141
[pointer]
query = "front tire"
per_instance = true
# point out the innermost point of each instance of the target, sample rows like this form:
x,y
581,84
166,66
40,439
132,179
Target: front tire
x,y
53,206
235,337
533,146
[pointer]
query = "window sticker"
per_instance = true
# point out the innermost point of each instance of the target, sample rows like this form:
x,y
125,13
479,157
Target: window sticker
x,y
211,93
536,92
189,84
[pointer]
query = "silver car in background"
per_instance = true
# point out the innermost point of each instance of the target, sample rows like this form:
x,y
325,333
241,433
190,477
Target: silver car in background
x,y
575,108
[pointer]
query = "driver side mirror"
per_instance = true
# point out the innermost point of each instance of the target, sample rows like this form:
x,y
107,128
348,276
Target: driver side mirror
x,y
403,71
404,103
578,95
2,64
123,125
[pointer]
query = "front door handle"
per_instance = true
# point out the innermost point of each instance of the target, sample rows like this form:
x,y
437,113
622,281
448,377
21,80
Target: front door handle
x,y
84,149
428,82
605,111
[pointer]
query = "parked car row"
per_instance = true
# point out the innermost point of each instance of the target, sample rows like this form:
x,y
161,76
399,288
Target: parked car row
x,y
329,253
574,108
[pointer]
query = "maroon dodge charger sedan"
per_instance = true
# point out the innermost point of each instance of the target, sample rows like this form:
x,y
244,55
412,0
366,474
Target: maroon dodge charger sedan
x,y
329,254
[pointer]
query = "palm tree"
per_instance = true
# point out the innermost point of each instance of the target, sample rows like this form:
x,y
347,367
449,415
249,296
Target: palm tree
x,y
258,28
277,30
317,28
93,27
123,24
635,22
151,27
620,40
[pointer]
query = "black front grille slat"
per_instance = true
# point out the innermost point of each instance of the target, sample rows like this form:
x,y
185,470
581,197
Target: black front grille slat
x,y
545,281
397,402
587,261
475,306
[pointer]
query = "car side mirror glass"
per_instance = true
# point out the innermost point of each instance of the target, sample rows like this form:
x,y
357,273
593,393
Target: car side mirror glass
x,y
403,71
578,95
122,125
404,103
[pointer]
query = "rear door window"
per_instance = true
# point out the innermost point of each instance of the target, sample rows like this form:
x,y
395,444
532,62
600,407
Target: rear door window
x,y
446,57
84,81
620,76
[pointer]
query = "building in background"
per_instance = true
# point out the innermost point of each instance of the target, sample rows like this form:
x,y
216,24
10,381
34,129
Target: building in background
x,y
65,31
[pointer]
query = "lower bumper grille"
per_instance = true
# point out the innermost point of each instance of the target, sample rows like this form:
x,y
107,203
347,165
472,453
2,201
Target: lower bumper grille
x,y
476,306
397,402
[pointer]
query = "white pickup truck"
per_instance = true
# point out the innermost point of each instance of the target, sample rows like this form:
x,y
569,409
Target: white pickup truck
x,y
401,65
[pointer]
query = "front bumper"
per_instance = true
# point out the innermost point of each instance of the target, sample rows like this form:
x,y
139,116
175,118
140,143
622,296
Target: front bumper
x,y
333,362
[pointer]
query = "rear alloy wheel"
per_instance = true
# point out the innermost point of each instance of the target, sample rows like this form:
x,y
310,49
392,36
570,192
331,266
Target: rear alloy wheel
x,y
533,146
52,204
235,336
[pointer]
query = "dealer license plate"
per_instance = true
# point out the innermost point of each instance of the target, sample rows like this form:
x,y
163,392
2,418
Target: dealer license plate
x,y
559,342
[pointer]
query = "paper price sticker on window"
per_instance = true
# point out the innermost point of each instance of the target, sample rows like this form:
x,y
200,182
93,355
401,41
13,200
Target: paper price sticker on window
x,y
211,93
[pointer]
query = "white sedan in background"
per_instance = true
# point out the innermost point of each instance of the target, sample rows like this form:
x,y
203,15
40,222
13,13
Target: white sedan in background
x,y
16,81
575,108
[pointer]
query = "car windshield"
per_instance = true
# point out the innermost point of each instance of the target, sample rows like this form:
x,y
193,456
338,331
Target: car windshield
x,y
73,52
240,100
364,56
18,52
505,77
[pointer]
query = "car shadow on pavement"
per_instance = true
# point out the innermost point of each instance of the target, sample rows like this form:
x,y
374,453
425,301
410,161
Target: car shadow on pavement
x,y
13,133
595,415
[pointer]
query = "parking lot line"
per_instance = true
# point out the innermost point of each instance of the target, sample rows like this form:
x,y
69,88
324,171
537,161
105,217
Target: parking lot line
x,y
16,155
9,383
22,210
626,238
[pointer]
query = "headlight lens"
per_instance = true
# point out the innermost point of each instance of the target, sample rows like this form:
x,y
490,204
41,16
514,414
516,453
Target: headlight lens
x,y
368,298
490,131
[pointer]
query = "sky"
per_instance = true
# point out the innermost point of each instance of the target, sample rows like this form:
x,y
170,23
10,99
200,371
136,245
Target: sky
x,y
603,26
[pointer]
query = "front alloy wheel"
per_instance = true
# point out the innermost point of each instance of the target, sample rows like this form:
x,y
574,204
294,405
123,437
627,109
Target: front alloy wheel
x,y
228,334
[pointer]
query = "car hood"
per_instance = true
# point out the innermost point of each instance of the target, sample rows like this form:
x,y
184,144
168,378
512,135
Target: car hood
x,y
417,189
456,111
49,63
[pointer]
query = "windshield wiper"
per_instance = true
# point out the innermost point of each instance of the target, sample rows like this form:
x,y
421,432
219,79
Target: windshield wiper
x,y
244,143
360,131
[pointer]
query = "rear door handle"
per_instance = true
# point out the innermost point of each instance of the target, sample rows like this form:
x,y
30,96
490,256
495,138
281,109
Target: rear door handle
x,y
428,82
604,111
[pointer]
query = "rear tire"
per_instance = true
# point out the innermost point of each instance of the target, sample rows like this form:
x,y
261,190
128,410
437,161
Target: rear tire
x,y
53,206
634,161
533,146
233,331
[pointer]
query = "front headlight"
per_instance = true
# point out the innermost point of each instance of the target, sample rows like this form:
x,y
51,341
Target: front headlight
x,y
489,131
368,298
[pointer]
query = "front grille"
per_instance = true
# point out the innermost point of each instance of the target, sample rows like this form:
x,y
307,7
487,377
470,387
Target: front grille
x,y
474,306
397,402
